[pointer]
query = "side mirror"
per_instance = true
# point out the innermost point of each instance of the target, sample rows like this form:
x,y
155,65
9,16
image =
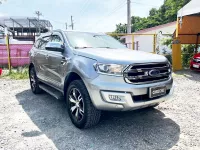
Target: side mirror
x,y
55,46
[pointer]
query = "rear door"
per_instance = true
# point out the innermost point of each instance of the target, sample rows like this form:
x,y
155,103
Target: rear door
x,y
56,62
41,58
36,56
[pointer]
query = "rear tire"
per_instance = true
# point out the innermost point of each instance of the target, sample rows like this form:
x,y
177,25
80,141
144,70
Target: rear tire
x,y
82,112
34,82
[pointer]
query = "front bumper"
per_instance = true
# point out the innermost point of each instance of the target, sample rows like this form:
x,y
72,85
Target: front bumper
x,y
194,63
100,88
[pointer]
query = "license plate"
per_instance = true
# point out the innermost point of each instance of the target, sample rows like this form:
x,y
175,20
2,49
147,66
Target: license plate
x,y
195,66
157,91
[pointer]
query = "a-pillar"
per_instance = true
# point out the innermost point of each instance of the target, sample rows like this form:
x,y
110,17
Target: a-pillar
x,y
176,55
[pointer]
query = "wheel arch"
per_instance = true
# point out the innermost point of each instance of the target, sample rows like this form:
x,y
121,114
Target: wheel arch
x,y
30,66
69,78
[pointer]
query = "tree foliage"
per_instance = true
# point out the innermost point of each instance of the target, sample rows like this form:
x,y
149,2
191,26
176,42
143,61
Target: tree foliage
x,y
165,14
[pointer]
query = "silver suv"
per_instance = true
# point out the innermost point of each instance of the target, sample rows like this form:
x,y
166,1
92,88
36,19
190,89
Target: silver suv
x,y
94,72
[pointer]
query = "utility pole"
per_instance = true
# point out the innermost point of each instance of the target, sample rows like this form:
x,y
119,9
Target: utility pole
x,y
38,13
66,25
72,23
128,16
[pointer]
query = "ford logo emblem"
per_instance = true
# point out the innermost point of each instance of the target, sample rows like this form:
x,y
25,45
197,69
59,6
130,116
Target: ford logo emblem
x,y
154,73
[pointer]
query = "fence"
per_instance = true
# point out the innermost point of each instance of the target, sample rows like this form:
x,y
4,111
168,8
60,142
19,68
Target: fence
x,y
18,54
140,42
14,54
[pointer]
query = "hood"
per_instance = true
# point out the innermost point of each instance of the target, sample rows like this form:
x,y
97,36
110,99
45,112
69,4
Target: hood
x,y
197,56
120,56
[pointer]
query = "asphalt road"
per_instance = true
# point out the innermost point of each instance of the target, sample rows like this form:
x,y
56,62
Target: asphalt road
x,y
29,121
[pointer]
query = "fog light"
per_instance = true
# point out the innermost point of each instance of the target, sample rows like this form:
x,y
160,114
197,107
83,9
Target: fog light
x,y
115,97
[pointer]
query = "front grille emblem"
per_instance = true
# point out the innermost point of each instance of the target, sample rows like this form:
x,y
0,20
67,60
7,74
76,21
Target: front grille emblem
x,y
154,73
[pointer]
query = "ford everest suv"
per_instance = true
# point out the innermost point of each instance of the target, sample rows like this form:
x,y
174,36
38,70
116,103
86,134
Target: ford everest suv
x,y
94,72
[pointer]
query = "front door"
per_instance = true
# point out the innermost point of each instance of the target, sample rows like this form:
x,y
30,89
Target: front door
x,y
56,63
41,57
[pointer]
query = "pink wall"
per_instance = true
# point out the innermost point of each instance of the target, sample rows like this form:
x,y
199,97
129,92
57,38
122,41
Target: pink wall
x,y
21,51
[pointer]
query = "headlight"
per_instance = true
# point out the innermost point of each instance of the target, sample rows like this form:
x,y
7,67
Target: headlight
x,y
110,69
170,67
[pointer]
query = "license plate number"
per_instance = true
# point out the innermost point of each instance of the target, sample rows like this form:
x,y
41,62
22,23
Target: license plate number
x,y
195,66
157,91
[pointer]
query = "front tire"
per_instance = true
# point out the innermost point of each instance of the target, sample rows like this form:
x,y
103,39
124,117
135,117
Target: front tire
x,y
34,83
80,108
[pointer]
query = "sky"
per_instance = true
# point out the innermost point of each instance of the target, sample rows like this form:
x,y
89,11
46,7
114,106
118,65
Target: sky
x,y
88,15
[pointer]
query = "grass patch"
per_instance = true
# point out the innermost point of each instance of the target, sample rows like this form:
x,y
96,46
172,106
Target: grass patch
x,y
16,74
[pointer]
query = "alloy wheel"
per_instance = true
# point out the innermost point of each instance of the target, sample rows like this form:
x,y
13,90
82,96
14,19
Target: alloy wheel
x,y
76,104
32,80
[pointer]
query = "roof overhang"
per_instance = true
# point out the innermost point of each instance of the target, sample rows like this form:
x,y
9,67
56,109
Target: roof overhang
x,y
189,30
188,23
193,7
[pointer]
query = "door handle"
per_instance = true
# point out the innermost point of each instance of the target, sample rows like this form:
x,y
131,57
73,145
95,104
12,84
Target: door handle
x,y
64,60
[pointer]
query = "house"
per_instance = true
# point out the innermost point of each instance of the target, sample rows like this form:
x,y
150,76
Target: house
x,y
144,39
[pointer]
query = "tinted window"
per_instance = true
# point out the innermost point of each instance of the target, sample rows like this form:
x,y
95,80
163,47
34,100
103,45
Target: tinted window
x,y
56,38
43,42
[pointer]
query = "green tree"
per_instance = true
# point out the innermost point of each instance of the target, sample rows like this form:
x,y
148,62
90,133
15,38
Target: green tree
x,y
153,12
165,14
121,28
187,53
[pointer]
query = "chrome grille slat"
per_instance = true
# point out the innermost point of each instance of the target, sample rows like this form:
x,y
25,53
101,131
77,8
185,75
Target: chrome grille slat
x,y
145,69
145,77
139,73
164,67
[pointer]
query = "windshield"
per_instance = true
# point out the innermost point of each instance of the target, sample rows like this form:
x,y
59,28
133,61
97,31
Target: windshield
x,y
92,40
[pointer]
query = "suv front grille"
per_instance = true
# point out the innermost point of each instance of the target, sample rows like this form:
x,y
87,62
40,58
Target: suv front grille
x,y
147,73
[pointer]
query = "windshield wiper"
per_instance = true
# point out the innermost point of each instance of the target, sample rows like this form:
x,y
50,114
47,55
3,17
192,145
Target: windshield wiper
x,y
76,47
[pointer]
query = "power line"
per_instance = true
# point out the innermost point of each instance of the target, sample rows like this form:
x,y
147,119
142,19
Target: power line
x,y
85,5
119,11
110,13
84,8
144,4
84,11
